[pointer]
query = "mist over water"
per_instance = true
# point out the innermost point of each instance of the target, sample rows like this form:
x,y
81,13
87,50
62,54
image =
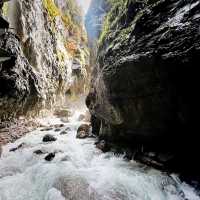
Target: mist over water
x,y
79,171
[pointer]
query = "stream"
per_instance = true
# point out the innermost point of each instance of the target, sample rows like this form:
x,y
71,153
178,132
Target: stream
x,y
80,171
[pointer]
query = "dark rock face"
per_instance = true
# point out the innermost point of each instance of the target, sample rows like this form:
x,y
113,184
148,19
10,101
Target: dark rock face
x,y
144,87
49,138
3,22
20,84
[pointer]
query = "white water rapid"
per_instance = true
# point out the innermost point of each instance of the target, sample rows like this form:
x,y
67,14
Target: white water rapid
x,y
79,171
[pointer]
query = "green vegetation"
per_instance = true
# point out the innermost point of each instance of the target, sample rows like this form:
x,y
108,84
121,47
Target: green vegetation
x,y
74,45
52,9
118,14
5,9
118,7
69,16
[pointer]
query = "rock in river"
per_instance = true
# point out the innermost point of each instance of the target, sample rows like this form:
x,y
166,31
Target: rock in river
x,y
49,138
83,131
50,157
63,133
103,145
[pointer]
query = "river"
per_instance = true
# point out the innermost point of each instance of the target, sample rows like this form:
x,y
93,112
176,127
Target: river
x,y
79,171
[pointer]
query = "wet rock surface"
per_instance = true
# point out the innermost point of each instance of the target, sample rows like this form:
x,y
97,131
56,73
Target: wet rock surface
x,y
103,145
63,132
18,147
50,157
83,131
39,152
37,78
49,138
21,83
57,130
144,86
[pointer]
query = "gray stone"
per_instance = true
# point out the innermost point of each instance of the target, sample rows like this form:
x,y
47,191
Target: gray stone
x,y
49,138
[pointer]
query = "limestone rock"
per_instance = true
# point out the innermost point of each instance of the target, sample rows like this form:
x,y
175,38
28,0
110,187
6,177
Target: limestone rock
x,y
145,83
21,83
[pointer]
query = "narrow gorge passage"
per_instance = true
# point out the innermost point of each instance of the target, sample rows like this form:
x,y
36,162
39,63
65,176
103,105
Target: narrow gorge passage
x,y
98,99
79,171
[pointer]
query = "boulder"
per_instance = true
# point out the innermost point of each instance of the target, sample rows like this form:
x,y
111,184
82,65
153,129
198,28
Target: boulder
x,y
82,135
47,129
63,133
17,148
83,131
39,152
50,157
57,130
49,138
68,129
73,187
103,146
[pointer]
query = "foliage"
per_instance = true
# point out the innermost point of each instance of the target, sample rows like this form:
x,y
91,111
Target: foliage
x,y
5,9
52,9
71,17
74,11
117,8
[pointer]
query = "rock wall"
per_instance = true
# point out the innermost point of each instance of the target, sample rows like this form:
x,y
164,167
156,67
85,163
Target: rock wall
x,y
144,87
49,61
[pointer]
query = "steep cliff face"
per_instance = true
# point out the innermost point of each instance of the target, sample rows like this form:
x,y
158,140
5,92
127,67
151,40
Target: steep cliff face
x,y
143,90
20,83
49,37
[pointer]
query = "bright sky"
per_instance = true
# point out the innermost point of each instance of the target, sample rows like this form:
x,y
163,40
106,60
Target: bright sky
x,y
84,4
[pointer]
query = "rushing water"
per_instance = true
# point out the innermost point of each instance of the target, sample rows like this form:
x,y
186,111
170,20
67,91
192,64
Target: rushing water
x,y
79,171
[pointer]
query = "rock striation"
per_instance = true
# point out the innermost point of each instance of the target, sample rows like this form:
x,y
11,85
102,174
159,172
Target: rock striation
x,y
46,56
143,91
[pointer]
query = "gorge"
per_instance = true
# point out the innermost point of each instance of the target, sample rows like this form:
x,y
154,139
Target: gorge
x,y
133,63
